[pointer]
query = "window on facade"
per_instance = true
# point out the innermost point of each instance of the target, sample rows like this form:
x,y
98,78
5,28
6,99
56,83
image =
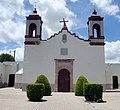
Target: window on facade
x,y
64,38
64,51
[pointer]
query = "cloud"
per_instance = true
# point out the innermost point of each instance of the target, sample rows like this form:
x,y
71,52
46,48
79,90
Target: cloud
x,y
12,26
112,52
10,8
13,14
73,1
107,6
12,19
12,31
19,54
118,17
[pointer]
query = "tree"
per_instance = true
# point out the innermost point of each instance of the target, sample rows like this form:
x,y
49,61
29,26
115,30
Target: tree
x,y
6,57
35,91
44,80
79,86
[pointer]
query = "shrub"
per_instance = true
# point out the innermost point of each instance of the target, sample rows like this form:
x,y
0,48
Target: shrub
x,y
79,85
43,79
35,91
93,92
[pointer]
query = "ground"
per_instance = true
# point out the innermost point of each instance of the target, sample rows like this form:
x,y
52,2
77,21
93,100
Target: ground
x,y
15,99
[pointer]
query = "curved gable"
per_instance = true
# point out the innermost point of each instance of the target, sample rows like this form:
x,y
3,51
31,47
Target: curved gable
x,y
65,31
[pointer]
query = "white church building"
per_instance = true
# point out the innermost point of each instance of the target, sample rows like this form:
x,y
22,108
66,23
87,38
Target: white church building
x,y
64,57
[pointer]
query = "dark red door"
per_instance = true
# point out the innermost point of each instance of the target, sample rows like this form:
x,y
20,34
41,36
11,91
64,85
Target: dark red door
x,y
64,81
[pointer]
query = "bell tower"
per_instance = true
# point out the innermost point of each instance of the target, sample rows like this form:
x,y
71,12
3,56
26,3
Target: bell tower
x,y
33,29
95,29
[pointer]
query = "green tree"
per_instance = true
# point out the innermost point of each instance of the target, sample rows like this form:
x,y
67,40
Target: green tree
x,y
35,91
79,86
6,57
44,80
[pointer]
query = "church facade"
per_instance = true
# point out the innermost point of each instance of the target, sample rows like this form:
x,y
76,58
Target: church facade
x,y
64,56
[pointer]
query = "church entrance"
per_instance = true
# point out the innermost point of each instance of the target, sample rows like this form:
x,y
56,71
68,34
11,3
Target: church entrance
x,y
64,81
64,75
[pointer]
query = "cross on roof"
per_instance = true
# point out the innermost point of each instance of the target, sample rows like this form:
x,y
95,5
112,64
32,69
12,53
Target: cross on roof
x,y
64,25
35,3
63,21
94,12
35,6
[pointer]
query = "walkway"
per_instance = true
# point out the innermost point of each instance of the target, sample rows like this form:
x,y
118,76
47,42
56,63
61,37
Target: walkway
x,y
15,99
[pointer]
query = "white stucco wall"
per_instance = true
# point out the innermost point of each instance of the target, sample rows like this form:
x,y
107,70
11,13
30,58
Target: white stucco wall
x,y
88,60
7,68
18,78
20,65
2,72
112,70
10,68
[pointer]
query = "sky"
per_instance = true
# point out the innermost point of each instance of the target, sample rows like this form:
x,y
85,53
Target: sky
x,y
13,22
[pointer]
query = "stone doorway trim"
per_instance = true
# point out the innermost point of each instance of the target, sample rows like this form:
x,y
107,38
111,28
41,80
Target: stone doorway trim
x,y
64,64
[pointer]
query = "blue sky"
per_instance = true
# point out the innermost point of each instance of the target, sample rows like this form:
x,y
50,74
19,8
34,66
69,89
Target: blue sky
x,y
13,13
111,23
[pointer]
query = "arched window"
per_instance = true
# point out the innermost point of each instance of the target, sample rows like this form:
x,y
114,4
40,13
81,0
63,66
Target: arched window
x,y
96,31
64,38
32,30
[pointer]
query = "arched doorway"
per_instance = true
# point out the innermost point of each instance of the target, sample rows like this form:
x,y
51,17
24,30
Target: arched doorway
x,y
64,81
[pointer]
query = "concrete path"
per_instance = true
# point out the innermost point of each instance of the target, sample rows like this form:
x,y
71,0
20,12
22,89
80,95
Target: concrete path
x,y
113,102
15,99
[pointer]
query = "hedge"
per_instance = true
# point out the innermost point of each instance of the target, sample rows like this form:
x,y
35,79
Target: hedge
x,y
43,79
35,91
93,92
79,85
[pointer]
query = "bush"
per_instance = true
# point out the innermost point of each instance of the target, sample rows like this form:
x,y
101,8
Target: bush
x,y
35,91
43,79
93,92
79,85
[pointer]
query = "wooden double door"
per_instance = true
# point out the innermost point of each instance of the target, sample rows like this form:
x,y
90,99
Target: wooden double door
x,y
64,81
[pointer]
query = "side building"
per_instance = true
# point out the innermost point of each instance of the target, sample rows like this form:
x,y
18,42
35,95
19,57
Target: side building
x,y
8,72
